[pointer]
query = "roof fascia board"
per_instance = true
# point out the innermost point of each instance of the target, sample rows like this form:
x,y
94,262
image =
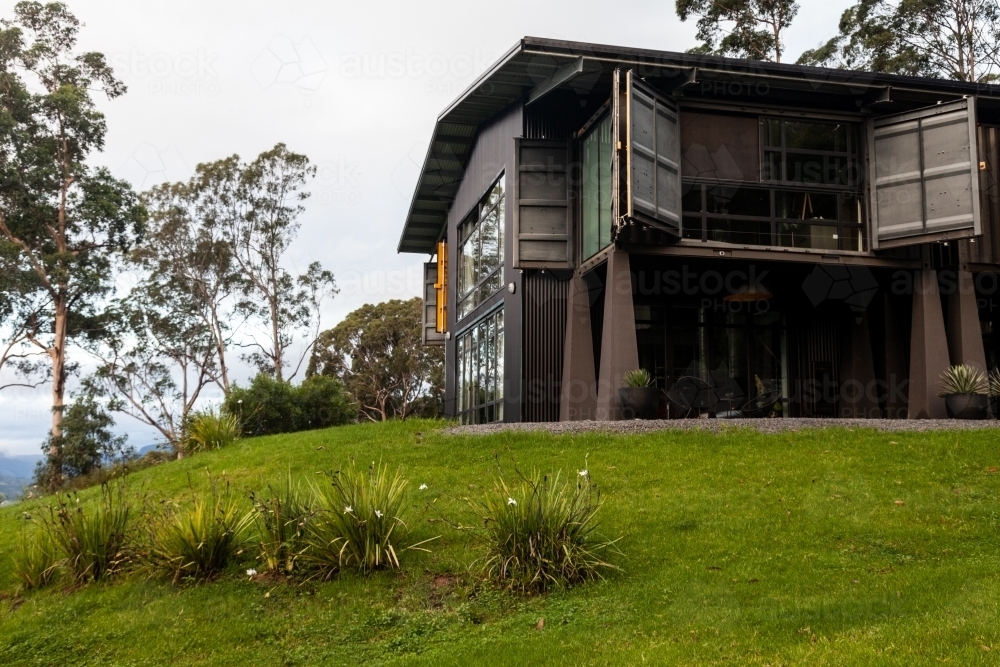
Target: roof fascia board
x,y
504,59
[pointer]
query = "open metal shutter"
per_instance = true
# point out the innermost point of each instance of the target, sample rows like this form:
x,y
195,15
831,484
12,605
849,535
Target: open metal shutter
x,y
924,173
654,155
430,335
542,205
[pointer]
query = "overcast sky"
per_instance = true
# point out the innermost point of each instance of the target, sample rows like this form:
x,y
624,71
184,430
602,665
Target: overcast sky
x,y
211,78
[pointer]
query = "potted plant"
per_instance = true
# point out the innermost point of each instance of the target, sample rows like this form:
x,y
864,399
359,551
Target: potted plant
x,y
965,391
639,399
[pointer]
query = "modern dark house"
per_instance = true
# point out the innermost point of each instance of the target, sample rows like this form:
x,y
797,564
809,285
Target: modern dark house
x,y
828,236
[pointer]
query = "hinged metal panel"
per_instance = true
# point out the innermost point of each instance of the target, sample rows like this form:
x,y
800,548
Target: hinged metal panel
x,y
542,222
924,175
430,335
654,156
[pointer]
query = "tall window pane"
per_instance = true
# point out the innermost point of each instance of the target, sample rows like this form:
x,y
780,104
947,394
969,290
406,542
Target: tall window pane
x,y
480,377
481,253
596,189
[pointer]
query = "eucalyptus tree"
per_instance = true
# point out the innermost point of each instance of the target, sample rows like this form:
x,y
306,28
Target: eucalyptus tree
x,y
156,356
261,223
751,29
186,256
951,39
378,354
62,222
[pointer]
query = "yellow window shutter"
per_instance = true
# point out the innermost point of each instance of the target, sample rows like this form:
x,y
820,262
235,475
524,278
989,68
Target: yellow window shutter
x,y
442,286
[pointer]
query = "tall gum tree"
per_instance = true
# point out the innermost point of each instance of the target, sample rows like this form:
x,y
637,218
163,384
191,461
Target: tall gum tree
x,y
751,29
951,39
62,223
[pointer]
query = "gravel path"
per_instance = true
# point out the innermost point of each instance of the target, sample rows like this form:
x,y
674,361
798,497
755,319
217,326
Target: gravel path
x,y
717,425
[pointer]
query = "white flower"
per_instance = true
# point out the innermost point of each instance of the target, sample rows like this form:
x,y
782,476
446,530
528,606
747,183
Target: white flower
x,y
584,473
251,572
423,486
511,501
378,514
348,509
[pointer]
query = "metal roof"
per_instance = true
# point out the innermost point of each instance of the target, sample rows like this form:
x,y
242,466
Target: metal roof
x,y
536,64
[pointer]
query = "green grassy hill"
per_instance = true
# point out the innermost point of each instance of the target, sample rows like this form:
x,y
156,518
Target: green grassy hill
x,y
819,548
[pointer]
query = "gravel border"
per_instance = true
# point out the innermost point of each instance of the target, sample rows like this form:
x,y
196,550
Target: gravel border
x,y
722,425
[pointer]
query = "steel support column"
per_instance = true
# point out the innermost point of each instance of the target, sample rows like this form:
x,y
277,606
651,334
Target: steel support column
x,y
619,350
578,394
928,349
965,337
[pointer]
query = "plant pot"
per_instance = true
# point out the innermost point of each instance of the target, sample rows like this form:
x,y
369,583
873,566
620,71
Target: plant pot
x,y
967,406
639,402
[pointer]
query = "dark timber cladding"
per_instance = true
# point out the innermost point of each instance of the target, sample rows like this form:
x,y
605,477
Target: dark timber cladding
x,y
491,154
544,330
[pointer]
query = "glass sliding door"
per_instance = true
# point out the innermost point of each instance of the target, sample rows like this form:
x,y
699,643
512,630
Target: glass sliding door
x,y
595,189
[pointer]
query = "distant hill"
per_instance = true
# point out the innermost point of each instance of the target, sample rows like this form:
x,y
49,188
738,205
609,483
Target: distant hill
x,y
16,473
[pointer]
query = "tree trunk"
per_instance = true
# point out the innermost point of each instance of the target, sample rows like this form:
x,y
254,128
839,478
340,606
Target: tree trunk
x,y
58,355
276,337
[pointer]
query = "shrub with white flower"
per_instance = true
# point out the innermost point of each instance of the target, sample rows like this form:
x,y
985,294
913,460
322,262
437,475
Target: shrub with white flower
x,y
541,532
369,533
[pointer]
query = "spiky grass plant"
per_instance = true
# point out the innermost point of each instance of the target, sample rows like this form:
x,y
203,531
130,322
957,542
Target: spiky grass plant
x,y
200,540
211,430
281,520
640,377
358,522
963,379
36,558
993,381
541,533
93,537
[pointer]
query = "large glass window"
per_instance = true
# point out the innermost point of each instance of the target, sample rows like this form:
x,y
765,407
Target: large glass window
x,y
480,371
809,152
787,218
480,255
595,189
739,351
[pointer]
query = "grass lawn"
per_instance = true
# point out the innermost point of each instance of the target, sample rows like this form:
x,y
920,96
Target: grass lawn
x,y
828,547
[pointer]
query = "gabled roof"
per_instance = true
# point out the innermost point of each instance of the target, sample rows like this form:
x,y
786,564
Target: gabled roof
x,y
535,65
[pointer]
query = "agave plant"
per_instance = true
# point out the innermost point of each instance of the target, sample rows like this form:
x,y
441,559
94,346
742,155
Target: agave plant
x,y
640,377
994,382
963,379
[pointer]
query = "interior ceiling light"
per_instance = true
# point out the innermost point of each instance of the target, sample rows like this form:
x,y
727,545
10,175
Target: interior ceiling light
x,y
749,293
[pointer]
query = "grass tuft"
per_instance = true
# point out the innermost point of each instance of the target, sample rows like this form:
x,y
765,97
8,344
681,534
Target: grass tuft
x,y
542,533
198,541
281,521
358,522
211,430
35,558
93,537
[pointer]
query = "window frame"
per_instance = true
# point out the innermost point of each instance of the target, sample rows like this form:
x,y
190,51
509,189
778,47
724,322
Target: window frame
x,y
854,132
471,413
479,211
773,220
